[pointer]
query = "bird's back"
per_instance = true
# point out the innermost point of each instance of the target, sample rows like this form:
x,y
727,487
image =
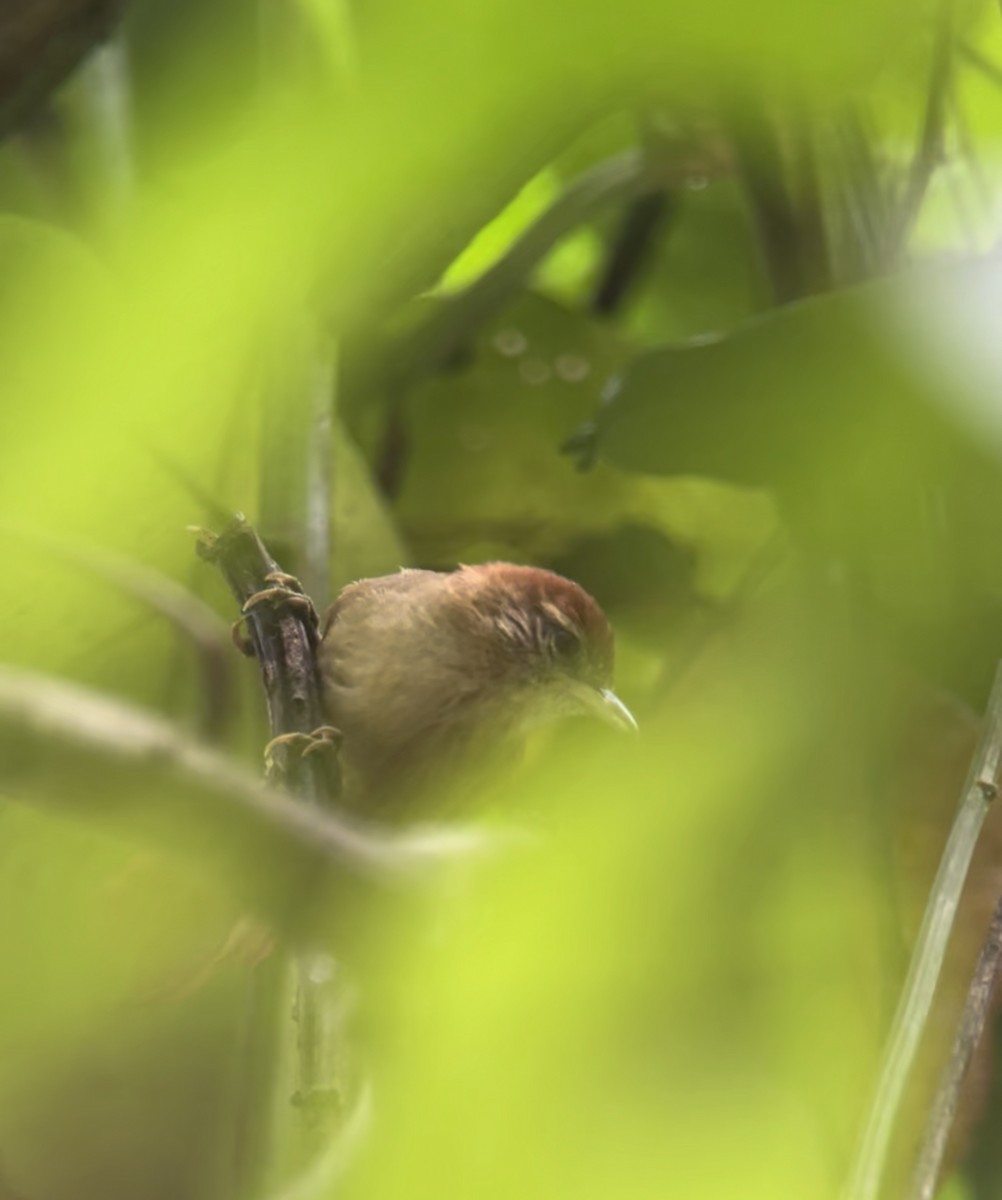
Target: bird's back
x,y
398,684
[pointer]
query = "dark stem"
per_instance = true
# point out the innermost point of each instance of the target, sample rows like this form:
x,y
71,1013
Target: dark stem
x,y
294,510
285,641
455,322
394,449
814,250
762,170
977,1009
443,339
643,222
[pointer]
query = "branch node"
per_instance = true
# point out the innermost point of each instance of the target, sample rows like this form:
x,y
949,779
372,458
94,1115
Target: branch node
x,y
988,788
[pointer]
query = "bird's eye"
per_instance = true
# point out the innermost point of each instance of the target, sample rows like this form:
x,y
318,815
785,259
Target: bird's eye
x,y
565,643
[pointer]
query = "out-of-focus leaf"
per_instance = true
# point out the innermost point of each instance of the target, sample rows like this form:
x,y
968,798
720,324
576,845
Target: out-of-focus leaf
x,y
825,401
97,1019
485,476
619,1046
130,390
364,200
705,276
41,43
66,620
364,536
496,237
760,405
870,414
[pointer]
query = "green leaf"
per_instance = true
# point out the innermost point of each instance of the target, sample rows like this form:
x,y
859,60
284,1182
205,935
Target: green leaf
x,y
485,476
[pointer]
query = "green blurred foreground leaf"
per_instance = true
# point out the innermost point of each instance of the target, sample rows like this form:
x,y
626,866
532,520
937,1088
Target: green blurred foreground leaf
x,y
682,993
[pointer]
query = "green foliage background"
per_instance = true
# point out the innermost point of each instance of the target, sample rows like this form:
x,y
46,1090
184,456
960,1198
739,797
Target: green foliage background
x,y
682,991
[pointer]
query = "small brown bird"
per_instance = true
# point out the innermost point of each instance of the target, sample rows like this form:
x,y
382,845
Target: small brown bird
x,y
425,670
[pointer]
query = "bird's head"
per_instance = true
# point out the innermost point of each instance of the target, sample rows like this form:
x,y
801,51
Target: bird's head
x,y
543,642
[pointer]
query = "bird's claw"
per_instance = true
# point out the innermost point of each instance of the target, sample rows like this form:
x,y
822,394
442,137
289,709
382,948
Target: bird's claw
x,y
325,738
248,943
280,595
284,579
240,639
287,591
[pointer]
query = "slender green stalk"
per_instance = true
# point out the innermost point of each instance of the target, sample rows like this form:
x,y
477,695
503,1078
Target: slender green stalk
x,y
106,89
458,318
927,960
200,627
929,149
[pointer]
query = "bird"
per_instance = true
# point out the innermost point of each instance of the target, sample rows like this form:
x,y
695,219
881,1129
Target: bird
x,y
427,674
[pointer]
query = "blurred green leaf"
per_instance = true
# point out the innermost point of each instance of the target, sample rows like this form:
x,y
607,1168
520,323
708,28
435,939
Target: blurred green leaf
x,y
706,277
823,401
485,476
683,1010
683,991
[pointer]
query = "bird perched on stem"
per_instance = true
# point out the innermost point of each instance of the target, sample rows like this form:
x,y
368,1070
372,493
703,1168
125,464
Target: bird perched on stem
x,y
425,671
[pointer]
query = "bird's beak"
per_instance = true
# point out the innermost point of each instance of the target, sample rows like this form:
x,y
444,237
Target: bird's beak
x,y
607,706
613,710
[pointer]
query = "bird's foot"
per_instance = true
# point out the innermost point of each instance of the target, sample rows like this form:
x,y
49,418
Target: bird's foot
x,y
287,592
284,579
248,943
325,738
239,638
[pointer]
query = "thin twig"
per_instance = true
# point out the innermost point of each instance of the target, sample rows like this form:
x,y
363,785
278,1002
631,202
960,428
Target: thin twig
x,y
191,617
319,476
969,1032
982,785
295,508
105,86
865,201
300,507
983,188
90,757
984,64
284,641
809,202
645,220
929,151
320,1042
456,320
439,340
767,559
321,1176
